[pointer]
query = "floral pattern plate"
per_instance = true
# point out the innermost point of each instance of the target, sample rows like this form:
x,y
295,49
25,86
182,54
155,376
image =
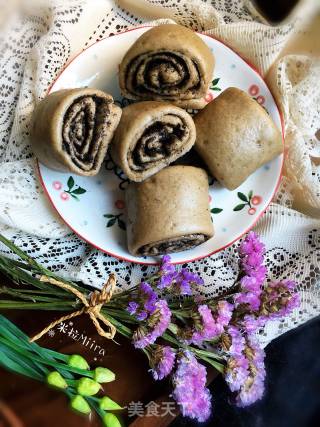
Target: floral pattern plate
x,y
93,207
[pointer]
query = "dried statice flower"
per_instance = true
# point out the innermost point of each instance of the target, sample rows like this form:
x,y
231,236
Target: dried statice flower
x,y
167,273
245,371
236,372
186,281
180,282
251,299
149,297
237,343
253,387
145,302
211,326
252,322
155,327
162,361
252,257
190,390
251,250
278,299
132,307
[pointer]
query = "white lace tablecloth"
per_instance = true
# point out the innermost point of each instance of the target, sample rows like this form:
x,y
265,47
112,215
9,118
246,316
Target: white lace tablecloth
x,y
40,38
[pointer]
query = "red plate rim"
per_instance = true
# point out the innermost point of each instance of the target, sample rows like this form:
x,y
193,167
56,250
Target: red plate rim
x,y
192,259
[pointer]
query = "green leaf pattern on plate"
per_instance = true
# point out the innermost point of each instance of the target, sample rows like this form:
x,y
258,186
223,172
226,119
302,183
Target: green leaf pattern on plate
x,y
246,199
74,190
214,84
216,210
115,219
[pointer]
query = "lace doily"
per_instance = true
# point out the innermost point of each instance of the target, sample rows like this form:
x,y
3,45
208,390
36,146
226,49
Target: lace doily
x,y
41,40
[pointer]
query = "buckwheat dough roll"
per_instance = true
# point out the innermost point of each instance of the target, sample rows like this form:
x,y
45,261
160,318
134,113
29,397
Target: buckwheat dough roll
x,y
168,62
169,212
72,129
235,136
150,136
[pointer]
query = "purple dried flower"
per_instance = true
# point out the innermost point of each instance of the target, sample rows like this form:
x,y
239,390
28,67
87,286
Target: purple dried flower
x,y
166,280
245,371
145,303
185,281
237,341
253,387
166,259
211,327
225,310
251,245
191,277
142,315
180,282
250,284
278,300
162,361
190,391
167,273
236,372
237,365
252,299
208,326
184,288
132,307
166,266
251,323
157,323
252,257
259,272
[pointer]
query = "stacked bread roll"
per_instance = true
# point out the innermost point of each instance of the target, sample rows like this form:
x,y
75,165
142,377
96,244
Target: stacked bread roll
x,y
167,68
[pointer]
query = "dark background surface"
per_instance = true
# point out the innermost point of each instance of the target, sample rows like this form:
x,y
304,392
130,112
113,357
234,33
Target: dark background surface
x,y
292,396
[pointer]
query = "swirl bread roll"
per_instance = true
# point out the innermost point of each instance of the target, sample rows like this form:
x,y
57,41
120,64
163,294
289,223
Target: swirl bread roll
x,y
150,136
235,136
72,129
169,63
168,212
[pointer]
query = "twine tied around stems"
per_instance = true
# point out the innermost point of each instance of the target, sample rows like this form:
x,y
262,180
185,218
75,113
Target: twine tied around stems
x,y
91,307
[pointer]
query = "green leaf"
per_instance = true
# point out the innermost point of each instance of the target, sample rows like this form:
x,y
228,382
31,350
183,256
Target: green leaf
x,y
239,207
70,182
75,197
216,210
216,88
18,364
15,249
108,216
121,224
215,81
218,366
111,222
79,190
250,194
242,196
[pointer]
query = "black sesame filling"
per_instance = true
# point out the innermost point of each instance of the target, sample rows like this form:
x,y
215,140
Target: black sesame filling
x,y
159,141
173,245
163,73
84,126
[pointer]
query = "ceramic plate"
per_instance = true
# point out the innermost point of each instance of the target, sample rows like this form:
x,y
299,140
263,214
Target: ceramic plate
x,y
93,207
